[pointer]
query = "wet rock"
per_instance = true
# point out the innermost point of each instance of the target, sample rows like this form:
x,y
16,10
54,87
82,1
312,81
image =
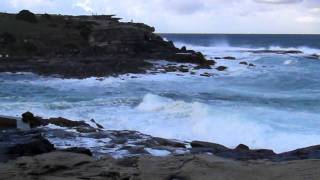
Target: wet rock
x,y
243,63
15,143
62,122
33,121
313,56
229,58
37,145
213,146
252,65
183,69
78,150
203,66
217,58
138,150
221,68
7,123
156,142
85,129
97,124
119,140
206,74
170,68
211,62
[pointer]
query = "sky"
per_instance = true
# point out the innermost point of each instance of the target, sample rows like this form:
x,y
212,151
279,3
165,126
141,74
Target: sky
x,y
193,16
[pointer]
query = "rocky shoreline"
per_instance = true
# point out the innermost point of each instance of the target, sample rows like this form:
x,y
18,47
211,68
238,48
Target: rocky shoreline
x,y
57,146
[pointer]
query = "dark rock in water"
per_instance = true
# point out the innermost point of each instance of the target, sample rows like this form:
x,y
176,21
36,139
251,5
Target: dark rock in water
x,y
243,63
203,66
16,143
252,65
170,68
313,56
206,74
119,140
277,51
156,142
7,123
29,118
62,122
221,68
217,58
210,62
78,150
229,58
98,125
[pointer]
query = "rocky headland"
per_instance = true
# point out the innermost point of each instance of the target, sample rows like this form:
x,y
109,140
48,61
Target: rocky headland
x,y
83,46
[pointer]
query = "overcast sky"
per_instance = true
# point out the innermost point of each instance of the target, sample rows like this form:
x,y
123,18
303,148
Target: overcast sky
x,y
192,16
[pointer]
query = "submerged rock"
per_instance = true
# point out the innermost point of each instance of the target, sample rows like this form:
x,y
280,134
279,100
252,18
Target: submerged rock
x,y
221,68
243,63
229,58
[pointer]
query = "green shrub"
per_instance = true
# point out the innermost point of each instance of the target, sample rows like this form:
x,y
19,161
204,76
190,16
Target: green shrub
x,y
27,16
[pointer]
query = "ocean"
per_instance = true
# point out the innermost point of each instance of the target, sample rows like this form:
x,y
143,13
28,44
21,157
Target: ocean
x,y
274,105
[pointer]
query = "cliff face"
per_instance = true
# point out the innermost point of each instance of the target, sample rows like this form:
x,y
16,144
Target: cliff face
x,y
71,44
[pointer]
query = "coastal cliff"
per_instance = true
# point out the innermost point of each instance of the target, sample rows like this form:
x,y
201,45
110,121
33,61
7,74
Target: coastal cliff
x,y
83,46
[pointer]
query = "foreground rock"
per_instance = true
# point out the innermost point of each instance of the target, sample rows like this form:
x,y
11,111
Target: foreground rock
x,y
61,165
83,46
16,143
80,137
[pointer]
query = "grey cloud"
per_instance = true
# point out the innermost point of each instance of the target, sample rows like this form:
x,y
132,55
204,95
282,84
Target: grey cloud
x,y
279,1
184,7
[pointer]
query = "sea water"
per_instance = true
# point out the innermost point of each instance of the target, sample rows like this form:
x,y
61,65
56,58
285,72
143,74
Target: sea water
x,y
274,105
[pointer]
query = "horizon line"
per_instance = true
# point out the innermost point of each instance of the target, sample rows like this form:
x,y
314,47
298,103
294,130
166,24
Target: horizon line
x,y
238,33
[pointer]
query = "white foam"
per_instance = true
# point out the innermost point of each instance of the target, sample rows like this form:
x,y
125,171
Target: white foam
x,y
197,121
157,152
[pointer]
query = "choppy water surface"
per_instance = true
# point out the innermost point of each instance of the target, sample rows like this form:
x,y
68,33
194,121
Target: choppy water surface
x,y
273,105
